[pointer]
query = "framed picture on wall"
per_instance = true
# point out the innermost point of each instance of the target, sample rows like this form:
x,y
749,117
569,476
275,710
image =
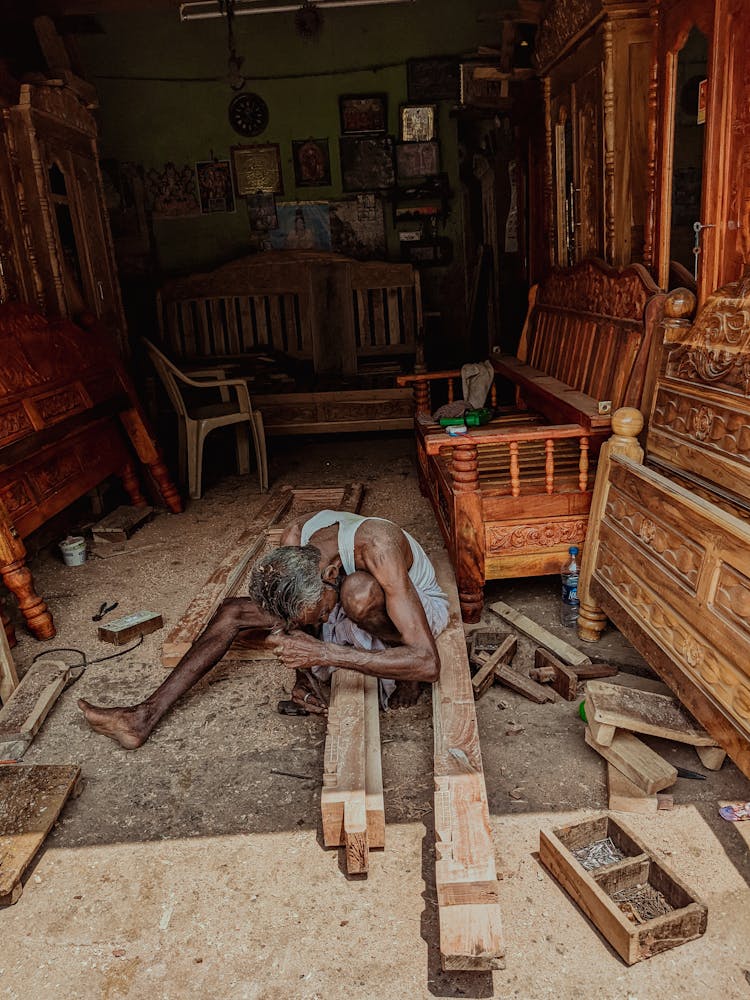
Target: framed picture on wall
x,y
417,159
257,168
312,164
434,79
367,163
261,212
215,186
418,122
362,113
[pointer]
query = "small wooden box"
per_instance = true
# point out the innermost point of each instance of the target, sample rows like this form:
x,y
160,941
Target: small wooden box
x,y
593,890
122,630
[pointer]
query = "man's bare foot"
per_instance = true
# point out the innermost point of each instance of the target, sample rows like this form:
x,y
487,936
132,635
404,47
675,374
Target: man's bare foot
x,y
126,726
405,695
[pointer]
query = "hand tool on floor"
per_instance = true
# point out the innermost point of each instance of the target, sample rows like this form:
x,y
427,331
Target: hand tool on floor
x,y
683,772
104,609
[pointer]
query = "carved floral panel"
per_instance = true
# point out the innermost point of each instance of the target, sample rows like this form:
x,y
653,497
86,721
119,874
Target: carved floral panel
x,y
714,427
502,538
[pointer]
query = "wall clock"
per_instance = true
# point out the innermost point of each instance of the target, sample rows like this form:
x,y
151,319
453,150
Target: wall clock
x,y
248,114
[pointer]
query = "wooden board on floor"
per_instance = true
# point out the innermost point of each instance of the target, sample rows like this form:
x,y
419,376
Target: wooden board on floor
x,y
645,768
284,505
23,714
471,936
8,675
624,796
644,712
562,650
31,798
120,524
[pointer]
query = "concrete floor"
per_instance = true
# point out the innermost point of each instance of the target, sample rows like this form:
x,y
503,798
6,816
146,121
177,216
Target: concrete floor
x,y
187,869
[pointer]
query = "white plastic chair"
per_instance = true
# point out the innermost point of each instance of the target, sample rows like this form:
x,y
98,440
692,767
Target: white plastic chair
x,y
195,423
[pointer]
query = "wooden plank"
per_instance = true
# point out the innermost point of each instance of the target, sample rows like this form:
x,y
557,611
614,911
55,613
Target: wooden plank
x,y
564,680
471,935
645,768
485,676
22,715
122,630
31,799
521,684
643,712
562,650
624,796
8,674
373,766
120,523
603,735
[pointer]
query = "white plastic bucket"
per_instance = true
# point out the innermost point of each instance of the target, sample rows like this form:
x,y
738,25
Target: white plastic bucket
x,y
73,550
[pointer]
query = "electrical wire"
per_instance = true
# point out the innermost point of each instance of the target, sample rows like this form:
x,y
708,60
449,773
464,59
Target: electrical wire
x,y
85,661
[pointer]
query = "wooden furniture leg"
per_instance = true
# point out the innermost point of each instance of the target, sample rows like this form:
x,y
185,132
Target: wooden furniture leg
x,y
468,542
151,455
132,486
17,578
627,424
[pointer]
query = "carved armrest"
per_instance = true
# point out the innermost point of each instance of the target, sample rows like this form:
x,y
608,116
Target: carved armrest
x,y
679,307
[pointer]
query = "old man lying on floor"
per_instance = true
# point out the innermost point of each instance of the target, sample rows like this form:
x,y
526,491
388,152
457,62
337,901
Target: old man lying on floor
x,y
364,584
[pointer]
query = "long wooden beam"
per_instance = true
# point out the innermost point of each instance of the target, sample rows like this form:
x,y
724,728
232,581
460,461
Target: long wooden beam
x,y
471,936
8,675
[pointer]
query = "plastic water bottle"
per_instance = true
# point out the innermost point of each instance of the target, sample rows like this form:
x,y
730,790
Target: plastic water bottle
x,y
569,574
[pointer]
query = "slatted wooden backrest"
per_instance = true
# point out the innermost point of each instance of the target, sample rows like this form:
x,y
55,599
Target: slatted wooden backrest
x,y
249,304
591,327
387,304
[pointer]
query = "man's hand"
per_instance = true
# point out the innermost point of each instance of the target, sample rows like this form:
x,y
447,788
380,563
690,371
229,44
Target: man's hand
x,y
297,650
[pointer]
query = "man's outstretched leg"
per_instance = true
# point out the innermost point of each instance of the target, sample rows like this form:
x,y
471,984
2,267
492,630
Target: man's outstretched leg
x,y
132,726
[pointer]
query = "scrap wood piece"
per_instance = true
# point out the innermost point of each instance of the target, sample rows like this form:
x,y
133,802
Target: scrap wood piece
x,y
120,524
31,799
645,768
562,650
8,674
352,811
644,712
711,757
521,684
284,504
121,631
548,669
471,936
24,712
484,678
625,796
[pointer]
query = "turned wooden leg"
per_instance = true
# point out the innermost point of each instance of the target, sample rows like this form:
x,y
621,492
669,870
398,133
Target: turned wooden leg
x,y
131,484
166,487
10,632
591,622
468,530
19,581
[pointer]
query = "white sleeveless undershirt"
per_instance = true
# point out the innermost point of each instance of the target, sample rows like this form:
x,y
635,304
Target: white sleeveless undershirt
x,y
421,573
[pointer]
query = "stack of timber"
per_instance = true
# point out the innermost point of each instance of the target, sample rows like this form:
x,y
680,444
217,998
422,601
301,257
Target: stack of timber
x,y
614,713
471,935
629,893
285,505
27,707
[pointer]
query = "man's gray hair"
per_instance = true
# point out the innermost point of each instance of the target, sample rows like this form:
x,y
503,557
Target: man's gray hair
x,y
287,581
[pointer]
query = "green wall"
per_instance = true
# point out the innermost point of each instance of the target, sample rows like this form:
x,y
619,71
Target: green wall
x,y
164,97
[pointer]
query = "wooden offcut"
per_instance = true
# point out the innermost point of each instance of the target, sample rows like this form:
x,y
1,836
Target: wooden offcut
x,y
120,524
228,579
564,680
624,796
562,650
31,798
8,674
471,936
27,708
593,890
643,712
645,768
121,631
485,677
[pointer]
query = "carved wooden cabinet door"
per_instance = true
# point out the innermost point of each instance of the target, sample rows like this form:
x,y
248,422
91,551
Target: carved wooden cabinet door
x,y
589,159
703,162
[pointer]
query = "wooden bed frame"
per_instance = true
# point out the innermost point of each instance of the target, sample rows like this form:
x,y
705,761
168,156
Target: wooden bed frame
x,y
344,328
667,557
511,497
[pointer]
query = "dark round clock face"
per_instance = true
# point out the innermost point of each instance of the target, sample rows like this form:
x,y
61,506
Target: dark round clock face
x,y
248,114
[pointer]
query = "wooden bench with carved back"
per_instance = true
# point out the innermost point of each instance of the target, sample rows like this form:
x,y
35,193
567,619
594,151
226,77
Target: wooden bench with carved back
x,y
512,496
320,337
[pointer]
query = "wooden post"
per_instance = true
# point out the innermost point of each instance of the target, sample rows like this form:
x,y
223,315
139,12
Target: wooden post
x,y
469,542
422,396
549,468
8,675
627,424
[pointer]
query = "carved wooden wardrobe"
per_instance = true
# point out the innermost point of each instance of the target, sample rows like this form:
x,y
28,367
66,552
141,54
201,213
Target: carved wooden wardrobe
x,y
668,556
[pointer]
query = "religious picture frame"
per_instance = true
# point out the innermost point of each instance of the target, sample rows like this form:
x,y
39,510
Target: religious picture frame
x,y
367,163
215,188
417,159
363,113
261,212
484,85
312,162
257,168
418,122
433,79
